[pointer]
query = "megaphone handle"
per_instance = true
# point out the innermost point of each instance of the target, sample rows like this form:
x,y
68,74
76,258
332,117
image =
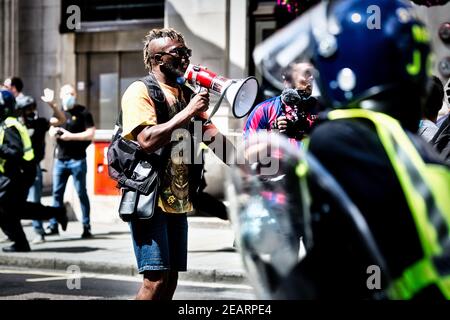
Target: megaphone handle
x,y
217,105
198,89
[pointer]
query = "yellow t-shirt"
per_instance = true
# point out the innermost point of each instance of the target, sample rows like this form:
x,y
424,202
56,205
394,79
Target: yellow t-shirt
x,y
138,110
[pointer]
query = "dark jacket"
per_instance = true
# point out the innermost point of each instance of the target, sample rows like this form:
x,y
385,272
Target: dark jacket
x,y
441,140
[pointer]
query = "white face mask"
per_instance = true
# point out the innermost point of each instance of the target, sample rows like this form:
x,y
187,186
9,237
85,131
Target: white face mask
x,y
68,102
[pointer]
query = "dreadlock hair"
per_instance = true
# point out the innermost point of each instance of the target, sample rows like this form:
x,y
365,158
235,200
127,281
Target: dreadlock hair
x,y
157,34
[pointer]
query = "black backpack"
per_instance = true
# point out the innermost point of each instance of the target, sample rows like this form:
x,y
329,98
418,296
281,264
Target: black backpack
x,y
126,157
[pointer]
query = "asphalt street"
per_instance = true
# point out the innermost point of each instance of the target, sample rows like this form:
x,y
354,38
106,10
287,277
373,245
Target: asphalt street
x,y
32,284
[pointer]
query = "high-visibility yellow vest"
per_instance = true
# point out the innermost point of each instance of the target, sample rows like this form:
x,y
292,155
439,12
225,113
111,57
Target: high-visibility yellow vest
x,y
28,153
427,191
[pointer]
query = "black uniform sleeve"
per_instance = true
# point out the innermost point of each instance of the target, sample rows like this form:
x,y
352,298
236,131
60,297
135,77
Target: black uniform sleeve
x,y
12,147
351,151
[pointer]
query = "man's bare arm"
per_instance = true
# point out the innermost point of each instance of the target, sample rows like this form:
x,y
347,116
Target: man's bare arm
x,y
58,118
151,138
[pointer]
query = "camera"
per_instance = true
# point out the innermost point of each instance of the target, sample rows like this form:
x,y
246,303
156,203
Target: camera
x,y
296,117
296,128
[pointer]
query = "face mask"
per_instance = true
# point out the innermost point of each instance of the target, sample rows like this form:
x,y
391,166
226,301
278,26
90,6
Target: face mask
x,y
303,94
30,117
68,102
173,68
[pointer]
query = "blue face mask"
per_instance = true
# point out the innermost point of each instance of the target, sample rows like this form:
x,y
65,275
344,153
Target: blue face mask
x,y
68,102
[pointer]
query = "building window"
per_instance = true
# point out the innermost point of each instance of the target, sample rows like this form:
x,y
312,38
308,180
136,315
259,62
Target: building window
x,y
111,15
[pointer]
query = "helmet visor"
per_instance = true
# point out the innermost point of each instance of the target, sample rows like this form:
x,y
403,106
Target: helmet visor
x,y
290,44
267,209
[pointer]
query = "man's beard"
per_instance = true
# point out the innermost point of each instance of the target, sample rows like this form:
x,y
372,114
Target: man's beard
x,y
173,70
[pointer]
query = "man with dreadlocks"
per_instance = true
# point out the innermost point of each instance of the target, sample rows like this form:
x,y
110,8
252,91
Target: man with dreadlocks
x,y
154,110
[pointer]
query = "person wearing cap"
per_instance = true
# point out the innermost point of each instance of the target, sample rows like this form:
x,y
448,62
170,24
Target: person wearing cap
x,y
37,129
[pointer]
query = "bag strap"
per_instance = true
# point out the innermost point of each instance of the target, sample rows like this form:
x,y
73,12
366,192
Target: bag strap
x,y
157,95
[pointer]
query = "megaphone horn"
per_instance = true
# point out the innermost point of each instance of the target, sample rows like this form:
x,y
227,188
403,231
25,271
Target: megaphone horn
x,y
240,93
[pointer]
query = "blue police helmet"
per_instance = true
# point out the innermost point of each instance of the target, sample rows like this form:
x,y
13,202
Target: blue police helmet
x,y
369,50
7,104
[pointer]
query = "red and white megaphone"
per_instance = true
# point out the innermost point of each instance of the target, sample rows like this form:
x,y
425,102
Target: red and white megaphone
x,y
240,93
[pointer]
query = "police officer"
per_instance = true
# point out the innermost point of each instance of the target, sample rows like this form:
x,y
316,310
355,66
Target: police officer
x,y
17,174
372,72
16,164
37,129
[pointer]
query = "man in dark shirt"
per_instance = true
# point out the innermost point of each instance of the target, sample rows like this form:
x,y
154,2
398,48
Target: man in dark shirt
x,y
37,129
72,140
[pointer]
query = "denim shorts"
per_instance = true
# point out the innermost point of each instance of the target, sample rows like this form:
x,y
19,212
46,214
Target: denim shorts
x,y
160,243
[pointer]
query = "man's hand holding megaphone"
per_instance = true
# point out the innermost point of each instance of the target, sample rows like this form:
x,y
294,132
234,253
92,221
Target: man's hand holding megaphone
x,y
199,103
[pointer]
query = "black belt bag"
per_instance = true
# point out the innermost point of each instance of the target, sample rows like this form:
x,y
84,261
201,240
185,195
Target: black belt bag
x,y
140,204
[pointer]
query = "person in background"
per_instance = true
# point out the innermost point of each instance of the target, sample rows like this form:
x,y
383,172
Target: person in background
x,y
37,129
15,86
72,139
293,112
441,140
427,126
17,174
